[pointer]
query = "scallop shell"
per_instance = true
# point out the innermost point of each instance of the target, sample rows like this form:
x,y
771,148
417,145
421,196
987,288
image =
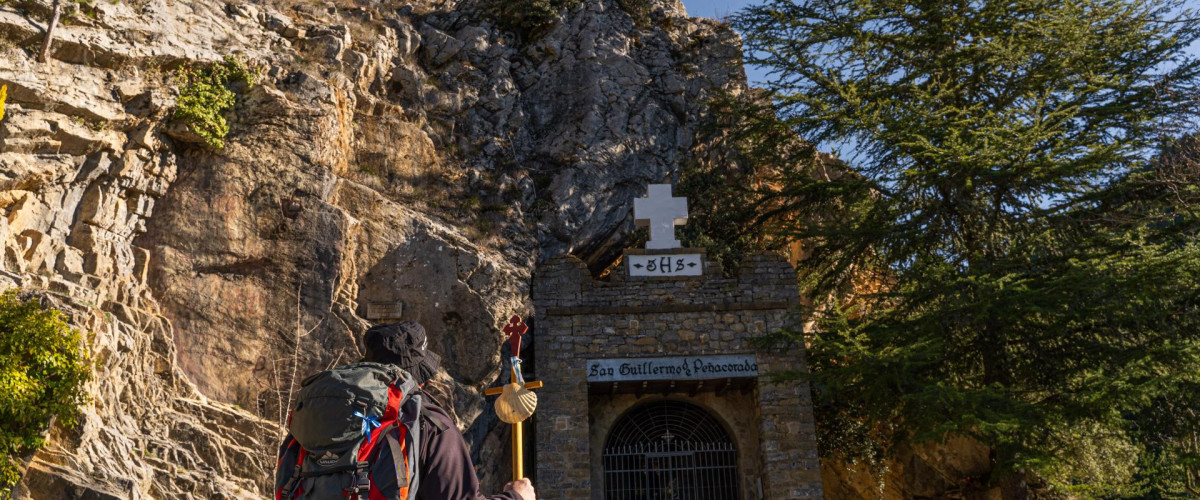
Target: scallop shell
x,y
515,404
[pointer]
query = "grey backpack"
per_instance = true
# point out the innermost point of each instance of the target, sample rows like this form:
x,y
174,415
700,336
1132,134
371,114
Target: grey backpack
x,y
354,433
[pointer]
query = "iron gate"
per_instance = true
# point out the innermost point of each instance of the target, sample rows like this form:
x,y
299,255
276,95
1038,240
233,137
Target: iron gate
x,y
669,450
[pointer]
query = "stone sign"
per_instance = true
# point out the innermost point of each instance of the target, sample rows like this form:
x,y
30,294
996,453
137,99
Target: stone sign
x,y
665,265
378,311
672,368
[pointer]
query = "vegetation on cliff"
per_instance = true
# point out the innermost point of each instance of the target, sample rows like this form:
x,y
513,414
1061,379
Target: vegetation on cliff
x,y
207,93
42,372
1022,267
526,17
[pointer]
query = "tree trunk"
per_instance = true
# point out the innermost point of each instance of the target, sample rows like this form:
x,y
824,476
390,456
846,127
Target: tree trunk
x,y
45,53
1192,473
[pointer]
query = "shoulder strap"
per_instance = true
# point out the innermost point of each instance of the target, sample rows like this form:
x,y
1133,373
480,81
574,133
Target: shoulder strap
x,y
415,436
436,422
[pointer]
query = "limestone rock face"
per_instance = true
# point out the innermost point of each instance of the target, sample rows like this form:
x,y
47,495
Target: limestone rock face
x,y
405,160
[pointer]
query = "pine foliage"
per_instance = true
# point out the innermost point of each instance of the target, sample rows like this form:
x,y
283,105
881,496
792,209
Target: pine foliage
x,y
1011,262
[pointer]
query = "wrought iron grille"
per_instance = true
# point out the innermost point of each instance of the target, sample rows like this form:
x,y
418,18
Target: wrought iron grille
x,y
669,450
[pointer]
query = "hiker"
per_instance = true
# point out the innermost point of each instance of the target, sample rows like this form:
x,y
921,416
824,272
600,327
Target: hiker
x,y
393,425
446,469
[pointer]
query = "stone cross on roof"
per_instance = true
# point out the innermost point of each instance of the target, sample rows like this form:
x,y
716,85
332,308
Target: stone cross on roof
x,y
662,212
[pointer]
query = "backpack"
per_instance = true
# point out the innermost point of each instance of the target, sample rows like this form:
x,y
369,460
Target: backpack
x,y
354,433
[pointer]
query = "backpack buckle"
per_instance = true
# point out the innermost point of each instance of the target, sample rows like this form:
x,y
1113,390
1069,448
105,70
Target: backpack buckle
x,y
286,491
362,481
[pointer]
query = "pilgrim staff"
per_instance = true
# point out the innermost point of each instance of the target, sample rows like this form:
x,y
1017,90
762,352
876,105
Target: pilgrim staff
x,y
517,401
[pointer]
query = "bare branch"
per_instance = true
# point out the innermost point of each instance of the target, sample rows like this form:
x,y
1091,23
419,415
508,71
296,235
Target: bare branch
x,y
45,52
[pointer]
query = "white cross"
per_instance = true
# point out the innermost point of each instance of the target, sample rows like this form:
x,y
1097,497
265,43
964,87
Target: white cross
x,y
662,213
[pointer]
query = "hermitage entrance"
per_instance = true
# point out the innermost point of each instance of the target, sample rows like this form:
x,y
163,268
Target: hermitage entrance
x,y
653,388
669,450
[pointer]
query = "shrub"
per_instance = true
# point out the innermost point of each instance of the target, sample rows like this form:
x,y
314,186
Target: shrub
x,y
526,17
42,372
207,93
639,11
3,98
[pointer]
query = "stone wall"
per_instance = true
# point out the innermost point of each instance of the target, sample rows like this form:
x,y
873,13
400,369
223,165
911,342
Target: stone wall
x,y
579,318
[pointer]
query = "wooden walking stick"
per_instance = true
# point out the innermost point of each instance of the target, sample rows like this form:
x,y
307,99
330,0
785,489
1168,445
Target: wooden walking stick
x,y
517,401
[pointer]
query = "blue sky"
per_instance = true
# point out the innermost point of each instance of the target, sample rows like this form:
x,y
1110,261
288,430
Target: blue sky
x,y
721,8
713,8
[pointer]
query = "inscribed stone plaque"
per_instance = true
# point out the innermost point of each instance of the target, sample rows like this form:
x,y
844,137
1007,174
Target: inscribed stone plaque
x,y
687,264
385,310
673,368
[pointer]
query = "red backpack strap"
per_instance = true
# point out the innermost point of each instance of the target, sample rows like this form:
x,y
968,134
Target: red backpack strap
x,y
392,449
387,421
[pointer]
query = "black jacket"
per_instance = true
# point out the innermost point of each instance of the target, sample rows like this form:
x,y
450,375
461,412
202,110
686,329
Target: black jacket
x,y
446,469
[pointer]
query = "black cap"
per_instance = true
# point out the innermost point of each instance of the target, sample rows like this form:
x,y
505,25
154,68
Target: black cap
x,y
402,344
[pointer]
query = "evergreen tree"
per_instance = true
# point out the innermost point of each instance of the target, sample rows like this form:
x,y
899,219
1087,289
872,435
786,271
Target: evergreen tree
x,y
1019,267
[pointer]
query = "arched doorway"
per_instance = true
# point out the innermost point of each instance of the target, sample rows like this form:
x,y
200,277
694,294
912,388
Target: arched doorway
x,y
669,450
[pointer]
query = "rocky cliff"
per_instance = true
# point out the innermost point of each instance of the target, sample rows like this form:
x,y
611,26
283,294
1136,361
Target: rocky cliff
x,y
394,156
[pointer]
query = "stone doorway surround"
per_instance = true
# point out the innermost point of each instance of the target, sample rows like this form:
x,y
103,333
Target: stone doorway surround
x,y
578,318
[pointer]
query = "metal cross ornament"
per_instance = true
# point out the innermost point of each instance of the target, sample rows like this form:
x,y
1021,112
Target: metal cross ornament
x,y
517,401
515,329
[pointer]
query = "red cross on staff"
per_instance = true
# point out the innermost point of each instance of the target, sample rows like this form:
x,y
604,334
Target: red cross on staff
x,y
515,329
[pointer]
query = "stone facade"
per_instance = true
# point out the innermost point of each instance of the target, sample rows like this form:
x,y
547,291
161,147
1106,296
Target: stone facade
x,y
580,319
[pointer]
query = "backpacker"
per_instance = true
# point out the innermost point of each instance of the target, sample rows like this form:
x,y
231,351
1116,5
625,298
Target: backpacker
x,y
353,433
